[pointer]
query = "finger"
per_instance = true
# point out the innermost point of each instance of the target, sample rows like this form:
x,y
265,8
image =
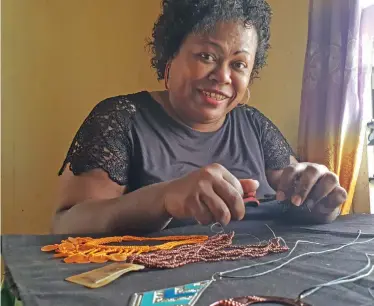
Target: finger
x,y
309,177
336,198
249,185
286,182
325,185
229,177
201,213
231,197
216,206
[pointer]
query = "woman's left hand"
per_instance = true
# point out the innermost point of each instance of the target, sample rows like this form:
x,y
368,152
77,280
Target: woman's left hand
x,y
313,187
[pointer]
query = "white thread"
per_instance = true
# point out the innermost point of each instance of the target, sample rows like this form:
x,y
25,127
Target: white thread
x,y
284,241
331,283
341,280
250,235
271,261
271,230
275,236
354,242
279,259
351,280
219,225
194,300
201,248
371,291
222,231
219,274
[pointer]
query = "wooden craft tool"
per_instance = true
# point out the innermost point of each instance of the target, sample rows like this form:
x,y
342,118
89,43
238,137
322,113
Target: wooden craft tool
x,y
103,276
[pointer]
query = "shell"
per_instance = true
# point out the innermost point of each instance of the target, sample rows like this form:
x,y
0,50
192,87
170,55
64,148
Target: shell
x,y
118,257
77,258
98,258
48,248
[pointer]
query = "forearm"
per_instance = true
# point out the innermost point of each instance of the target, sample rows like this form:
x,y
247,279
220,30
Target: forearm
x,y
141,210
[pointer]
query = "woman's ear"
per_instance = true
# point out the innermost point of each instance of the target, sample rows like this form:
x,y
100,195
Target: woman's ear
x,y
167,74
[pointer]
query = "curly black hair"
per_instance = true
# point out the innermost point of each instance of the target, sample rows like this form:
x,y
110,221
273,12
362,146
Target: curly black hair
x,y
179,18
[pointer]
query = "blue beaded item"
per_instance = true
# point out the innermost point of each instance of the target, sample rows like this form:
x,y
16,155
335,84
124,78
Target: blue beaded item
x,y
175,296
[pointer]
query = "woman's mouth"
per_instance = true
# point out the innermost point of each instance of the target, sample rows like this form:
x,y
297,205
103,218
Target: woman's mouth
x,y
213,98
214,95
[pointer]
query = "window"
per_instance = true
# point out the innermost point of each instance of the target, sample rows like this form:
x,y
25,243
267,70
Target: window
x,y
370,142
363,201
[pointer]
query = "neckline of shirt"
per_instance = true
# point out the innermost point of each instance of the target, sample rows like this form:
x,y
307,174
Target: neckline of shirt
x,y
179,125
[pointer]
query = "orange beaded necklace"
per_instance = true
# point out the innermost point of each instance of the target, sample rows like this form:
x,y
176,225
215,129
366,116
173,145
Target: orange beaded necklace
x,y
87,249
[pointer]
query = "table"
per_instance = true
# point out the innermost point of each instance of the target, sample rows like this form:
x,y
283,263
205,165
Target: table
x,y
40,279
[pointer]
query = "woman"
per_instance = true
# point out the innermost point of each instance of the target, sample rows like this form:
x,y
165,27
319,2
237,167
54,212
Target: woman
x,y
193,150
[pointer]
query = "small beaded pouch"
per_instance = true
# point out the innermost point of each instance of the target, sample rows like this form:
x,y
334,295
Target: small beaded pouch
x,y
174,296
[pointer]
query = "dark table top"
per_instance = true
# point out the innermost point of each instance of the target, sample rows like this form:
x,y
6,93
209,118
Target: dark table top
x,y
40,279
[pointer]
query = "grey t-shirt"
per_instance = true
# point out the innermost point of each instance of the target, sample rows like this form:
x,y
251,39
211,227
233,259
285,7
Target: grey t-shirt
x,y
137,143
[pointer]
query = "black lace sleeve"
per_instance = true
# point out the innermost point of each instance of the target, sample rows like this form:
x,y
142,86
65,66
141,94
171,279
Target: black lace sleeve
x,y
102,141
276,149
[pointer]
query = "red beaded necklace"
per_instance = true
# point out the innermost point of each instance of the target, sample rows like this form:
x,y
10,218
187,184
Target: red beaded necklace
x,y
216,248
250,300
181,250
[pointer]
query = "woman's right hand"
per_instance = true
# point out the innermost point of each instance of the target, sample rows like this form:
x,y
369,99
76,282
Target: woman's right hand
x,y
210,194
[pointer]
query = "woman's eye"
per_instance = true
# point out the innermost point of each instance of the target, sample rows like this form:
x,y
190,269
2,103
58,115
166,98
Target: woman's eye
x,y
240,65
207,57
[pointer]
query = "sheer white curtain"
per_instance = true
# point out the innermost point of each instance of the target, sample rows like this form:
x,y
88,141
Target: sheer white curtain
x,y
336,87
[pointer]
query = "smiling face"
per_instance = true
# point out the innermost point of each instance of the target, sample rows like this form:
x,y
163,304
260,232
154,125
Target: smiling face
x,y
210,74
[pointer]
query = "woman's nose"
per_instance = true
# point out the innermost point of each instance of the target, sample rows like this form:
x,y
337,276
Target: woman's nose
x,y
221,74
